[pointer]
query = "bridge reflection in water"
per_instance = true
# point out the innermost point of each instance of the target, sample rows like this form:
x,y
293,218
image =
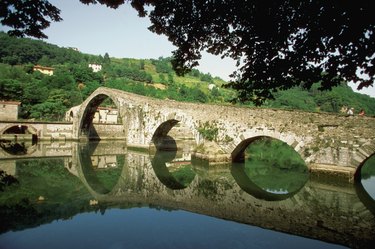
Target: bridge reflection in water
x,y
116,176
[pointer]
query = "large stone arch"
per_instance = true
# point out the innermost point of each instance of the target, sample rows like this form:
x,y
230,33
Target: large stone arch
x,y
82,122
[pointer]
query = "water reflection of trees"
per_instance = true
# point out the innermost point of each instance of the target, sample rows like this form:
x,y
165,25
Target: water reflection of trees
x,y
102,172
14,148
365,184
6,180
272,170
213,192
177,177
45,191
368,168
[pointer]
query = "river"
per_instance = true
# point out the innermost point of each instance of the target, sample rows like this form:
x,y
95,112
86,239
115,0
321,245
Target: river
x,y
106,195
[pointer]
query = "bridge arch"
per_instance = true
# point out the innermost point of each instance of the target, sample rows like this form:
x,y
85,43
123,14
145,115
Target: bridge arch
x,y
174,134
237,154
83,164
161,139
159,164
83,121
275,172
362,155
21,129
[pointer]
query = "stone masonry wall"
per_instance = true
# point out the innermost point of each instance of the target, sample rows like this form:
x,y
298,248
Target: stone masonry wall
x,y
323,140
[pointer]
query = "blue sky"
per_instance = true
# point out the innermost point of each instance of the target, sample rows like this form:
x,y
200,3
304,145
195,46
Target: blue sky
x,y
96,29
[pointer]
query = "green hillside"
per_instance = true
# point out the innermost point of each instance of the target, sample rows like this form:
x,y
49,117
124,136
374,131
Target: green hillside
x,y
46,97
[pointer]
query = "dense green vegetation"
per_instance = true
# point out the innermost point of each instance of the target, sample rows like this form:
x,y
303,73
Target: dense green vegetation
x,y
368,169
183,175
44,191
36,197
46,97
274,166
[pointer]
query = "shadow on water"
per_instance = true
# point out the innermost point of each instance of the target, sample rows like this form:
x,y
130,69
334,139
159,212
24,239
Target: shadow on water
x,y
178,178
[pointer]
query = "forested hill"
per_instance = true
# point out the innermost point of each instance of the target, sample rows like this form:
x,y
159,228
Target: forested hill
x,y
48,97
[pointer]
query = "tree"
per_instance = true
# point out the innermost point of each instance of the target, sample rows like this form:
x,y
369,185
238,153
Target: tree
x,y
106,59
277,44
28,18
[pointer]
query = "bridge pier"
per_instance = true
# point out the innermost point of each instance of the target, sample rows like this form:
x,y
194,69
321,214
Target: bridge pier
x,y
346,174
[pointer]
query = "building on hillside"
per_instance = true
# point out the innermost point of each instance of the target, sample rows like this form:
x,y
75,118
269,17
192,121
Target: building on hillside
x,y
73,48
44,70
9,110
95,67
211,86
105,115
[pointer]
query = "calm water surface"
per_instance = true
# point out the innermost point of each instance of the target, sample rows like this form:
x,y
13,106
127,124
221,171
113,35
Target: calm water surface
x,y
104,195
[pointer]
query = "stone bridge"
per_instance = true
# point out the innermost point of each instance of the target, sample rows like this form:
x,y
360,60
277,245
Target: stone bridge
x,y
328,143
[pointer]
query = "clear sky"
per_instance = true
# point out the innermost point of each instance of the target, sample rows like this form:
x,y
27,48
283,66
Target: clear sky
x,y
96,29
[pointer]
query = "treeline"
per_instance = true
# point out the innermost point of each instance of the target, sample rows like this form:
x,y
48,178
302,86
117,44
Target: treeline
x,y
325,101
46,97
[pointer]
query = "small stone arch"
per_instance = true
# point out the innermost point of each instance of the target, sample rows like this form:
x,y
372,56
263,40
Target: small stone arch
x,y
361,156
71,113
173,134
22,129
161,139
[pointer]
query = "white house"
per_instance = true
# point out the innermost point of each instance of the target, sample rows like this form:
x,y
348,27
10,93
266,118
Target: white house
x,y
95,67
9,110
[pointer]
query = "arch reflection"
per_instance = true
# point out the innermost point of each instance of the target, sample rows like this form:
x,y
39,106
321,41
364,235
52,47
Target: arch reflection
x,y
270,169
102,172
18,148
173,173
365,183
100,110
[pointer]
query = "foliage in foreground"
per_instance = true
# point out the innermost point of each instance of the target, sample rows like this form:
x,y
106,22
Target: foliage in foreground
x,y
279,44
